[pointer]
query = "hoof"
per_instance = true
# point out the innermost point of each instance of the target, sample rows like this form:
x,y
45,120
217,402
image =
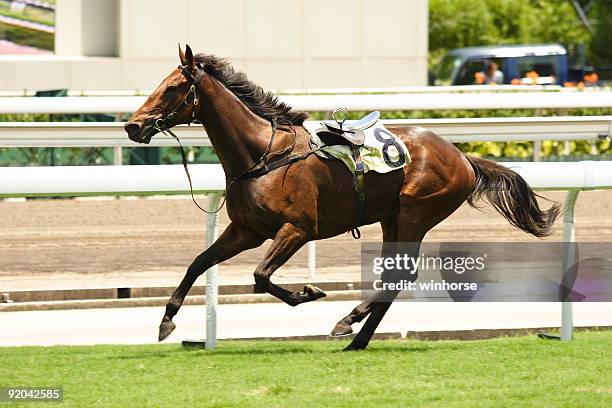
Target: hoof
x,y
341,329
313,292
165,328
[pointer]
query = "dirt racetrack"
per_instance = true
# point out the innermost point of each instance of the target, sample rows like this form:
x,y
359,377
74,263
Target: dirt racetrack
x,y
67,243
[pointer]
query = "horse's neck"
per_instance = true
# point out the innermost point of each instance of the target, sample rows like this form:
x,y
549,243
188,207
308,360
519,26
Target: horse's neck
x,y
238,136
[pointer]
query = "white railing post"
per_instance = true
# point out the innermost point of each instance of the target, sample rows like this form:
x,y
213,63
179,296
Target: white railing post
x,y
312,259
212,294
569,236
118,155
537,150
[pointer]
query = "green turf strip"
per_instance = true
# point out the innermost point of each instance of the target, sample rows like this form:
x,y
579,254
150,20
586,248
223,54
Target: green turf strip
x,y
510,372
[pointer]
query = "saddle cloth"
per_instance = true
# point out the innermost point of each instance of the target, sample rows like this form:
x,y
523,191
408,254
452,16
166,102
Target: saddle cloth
x,y
381,151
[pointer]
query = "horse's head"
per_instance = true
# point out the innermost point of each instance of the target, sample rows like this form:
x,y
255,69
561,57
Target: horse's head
x,y
174,102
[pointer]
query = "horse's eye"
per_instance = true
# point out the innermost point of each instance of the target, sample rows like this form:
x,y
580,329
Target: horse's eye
x,y
171,88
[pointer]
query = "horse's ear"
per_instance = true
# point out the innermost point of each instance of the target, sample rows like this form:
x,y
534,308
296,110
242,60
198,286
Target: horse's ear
x,y
188,55
182,55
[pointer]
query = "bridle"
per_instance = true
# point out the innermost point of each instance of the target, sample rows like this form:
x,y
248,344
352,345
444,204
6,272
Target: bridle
x,y
258,169
161,123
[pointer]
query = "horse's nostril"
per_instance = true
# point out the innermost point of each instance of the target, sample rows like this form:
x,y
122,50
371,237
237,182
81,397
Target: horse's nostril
x,y
132,129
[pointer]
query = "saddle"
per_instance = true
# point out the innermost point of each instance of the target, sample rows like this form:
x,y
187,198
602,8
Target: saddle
x,y
351,130
355,141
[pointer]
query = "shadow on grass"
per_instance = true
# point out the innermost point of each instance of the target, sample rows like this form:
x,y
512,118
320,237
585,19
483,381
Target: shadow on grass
x,y
377,347
145,354
254,348
306,347
278,348
274,349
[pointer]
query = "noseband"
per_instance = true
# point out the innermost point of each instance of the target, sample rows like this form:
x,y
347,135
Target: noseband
x,y
161,124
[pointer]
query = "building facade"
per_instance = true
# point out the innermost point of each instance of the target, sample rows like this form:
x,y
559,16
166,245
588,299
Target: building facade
x,y
280,44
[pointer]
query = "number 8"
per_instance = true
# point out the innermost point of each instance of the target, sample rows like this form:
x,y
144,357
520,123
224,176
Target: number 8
x,y
390,141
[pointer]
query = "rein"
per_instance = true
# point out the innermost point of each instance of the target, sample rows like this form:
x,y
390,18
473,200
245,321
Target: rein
x,y
252,172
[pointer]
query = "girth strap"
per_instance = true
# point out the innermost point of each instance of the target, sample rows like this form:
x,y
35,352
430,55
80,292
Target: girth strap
x,y
360,190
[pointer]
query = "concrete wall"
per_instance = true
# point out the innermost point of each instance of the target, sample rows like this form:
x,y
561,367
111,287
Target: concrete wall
x,y
132,44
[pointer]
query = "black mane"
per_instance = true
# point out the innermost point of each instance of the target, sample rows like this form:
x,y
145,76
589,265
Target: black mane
x,y
262,103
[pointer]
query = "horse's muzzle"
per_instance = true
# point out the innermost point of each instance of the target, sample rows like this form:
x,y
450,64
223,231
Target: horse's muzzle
x,y
135,132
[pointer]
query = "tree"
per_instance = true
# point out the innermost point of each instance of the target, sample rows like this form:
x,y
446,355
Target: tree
x,y
601,44
463,23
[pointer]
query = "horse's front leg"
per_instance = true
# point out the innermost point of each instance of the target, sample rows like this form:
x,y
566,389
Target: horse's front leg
x,y
232,241
286,243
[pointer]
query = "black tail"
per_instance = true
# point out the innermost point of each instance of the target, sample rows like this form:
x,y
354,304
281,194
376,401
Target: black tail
x,y
512,197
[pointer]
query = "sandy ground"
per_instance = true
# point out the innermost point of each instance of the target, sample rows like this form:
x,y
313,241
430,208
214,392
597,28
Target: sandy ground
x,y
61,244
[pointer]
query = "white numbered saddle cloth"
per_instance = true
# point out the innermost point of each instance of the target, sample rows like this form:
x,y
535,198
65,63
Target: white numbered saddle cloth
x,y
381,150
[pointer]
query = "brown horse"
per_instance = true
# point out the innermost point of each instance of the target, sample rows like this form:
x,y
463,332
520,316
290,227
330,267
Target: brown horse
x,y
309,198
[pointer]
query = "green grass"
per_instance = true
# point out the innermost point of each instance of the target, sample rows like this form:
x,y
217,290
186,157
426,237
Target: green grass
x,y
510,372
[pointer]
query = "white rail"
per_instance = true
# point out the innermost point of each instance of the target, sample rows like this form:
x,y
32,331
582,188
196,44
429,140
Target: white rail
x,y
583,175
98,134
310,103
108,180
431,89
111,134
327,91
209,178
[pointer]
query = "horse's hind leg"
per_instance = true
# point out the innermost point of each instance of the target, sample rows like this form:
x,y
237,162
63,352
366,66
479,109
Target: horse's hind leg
x,y
379,308
343,327
416,217
233,241
414,220
286,243
376,307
